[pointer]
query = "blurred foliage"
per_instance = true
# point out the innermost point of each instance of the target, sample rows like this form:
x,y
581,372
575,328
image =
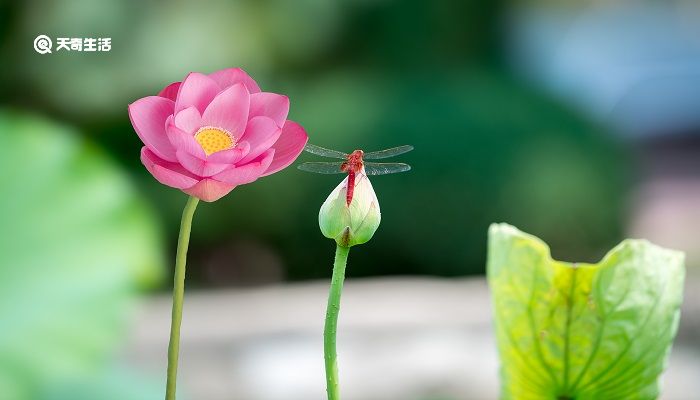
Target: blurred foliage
x,y
75,244
360,74
118,383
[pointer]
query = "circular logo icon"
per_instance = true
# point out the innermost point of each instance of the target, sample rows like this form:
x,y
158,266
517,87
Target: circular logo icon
x,y
43,44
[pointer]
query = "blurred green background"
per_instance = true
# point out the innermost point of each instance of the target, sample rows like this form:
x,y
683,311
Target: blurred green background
x,y
360,74
465,82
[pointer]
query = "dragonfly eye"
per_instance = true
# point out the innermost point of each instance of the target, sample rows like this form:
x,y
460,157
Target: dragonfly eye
x,y
357,154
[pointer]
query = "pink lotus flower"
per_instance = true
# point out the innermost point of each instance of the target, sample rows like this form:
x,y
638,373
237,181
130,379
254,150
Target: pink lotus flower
x,y
208,134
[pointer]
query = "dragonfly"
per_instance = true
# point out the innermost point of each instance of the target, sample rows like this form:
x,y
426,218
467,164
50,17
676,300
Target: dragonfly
x,y
353,163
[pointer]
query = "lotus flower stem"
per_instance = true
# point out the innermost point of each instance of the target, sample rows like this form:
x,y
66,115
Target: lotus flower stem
x,y
331,327
178,295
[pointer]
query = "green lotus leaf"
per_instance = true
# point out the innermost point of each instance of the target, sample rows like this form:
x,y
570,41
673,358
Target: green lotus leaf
x,y
582,331
75,244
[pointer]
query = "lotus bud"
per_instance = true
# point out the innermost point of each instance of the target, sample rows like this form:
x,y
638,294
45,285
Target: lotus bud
x,y
350,222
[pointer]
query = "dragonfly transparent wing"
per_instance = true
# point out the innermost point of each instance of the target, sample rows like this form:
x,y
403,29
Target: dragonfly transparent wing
x,y
385,168
320,167
394,151
324,152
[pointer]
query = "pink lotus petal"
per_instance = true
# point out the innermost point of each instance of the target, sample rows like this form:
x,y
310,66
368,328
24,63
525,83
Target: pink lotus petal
x,y
189,120
182,140
273,105
196,90
199,167
261,133
229,110
229,100
230,156
170,91
167,173
231,76
288,147
240,175
210,190
148,117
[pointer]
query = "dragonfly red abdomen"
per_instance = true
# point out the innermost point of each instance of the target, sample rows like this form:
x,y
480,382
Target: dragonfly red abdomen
x,y
351,188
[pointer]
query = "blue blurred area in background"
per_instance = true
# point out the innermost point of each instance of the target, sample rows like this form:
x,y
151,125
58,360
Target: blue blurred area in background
x,y
633,65
575,121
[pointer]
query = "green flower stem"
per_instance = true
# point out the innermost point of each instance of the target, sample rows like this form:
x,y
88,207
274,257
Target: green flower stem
x,y
331,327
178,295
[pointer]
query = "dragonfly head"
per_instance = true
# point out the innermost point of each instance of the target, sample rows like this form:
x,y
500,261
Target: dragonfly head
x,y
354,162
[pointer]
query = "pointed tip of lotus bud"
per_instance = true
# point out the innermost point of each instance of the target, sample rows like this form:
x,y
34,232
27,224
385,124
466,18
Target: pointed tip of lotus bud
x,y
352,224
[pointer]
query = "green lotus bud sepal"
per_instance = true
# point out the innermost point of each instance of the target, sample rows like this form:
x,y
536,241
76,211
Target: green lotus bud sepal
x,y
354,223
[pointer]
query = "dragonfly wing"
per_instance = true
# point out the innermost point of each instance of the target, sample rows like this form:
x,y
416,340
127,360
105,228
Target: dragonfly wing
x,y
322,167
385,168
324,152
394,151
